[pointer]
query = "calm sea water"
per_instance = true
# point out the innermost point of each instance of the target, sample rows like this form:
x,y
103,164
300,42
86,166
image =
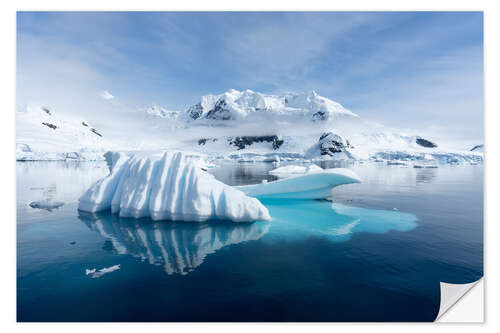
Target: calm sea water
x,y
377,253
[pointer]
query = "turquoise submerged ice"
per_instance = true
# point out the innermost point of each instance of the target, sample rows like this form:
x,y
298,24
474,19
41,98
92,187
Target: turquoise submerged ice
x,y
337,222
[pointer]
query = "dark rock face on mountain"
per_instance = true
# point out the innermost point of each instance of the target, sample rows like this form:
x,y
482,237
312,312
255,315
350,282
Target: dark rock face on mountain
x,y
331,143
478,148
46,110
425,143
85,124
243,141
320,115
195,111
93,130
50,125
203,141
220,111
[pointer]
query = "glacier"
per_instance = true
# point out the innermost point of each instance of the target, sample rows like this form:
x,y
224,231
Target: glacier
x,y
167,186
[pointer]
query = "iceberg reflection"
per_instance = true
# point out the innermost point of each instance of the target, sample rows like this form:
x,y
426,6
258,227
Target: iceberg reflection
x,y
178,247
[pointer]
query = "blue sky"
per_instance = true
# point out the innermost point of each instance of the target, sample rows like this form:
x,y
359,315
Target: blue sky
x,y
411,70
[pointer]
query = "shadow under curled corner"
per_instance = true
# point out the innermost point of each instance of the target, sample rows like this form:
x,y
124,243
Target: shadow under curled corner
x,y
455,301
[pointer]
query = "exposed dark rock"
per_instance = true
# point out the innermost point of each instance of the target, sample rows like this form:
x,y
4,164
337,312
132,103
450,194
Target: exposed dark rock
x,y
242,141
331,143
425,143
477,147
47,111
195,111
93,130
85,124
220,111
50,125
320,115
204,140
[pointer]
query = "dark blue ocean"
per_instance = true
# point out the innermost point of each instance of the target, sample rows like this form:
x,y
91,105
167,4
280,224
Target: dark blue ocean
x,y
377,253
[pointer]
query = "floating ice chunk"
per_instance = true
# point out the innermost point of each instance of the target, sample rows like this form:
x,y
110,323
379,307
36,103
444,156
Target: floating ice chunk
x,y
314,185
47,204
168,187
289,170
102,271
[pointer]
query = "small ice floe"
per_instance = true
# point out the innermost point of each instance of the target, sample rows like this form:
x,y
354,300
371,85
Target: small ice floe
x,y
289,170
397,163
47,204
94,273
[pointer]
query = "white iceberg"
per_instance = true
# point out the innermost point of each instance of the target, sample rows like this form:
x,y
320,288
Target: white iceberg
x,y
97,274
289,170
313,185
168,186
47,204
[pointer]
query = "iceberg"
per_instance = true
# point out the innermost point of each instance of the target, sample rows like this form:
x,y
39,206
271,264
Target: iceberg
x,y
47,204
313,185
167,186
288,170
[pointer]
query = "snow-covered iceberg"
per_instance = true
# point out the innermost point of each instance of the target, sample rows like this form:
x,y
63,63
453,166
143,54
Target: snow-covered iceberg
x,y
167,186
312,185
290,170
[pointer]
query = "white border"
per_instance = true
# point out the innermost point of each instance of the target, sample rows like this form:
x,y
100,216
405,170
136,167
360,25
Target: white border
x,y
7,123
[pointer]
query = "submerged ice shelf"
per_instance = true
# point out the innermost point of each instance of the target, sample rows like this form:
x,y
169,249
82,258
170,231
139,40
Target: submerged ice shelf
x,y
168,186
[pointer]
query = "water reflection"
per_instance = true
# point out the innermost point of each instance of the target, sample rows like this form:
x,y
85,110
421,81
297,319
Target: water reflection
x,y
178,247
304,218
425,175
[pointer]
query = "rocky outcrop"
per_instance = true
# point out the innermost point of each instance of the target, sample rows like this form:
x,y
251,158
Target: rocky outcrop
x,y
93,130
220,111
425,143
478,148
49,125
203,141
331,143
243,141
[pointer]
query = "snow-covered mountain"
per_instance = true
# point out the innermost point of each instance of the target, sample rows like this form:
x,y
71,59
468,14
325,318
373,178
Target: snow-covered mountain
x,y
238,105
42,134
232,123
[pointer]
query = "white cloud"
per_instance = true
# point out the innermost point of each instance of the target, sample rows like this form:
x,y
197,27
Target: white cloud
x,y
106,95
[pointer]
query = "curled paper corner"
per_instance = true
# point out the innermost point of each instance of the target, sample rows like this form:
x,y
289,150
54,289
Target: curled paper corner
x,y
460,303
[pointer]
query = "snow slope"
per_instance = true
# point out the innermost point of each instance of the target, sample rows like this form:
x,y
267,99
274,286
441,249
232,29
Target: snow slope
x,y
167,187
41,134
